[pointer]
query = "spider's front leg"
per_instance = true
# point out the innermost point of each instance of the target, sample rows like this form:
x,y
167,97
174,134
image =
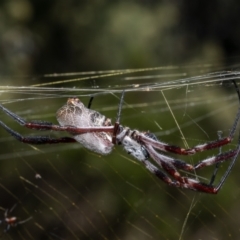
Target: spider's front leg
x,y
36,139
40,125
44,125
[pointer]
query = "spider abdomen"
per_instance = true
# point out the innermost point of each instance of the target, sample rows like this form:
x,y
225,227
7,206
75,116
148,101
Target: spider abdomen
x,y
74,113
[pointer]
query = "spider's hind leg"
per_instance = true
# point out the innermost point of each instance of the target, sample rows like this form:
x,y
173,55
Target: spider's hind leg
x,y
217,164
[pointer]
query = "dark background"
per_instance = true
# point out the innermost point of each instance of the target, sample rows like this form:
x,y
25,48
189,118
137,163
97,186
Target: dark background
x,y
86,196
39,37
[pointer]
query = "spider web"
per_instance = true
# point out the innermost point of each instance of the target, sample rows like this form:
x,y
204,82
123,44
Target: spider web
x,y
72,193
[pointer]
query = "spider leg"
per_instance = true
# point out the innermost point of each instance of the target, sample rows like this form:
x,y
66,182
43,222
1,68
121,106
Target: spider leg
x,y
148,138
196,185
36,139
182,151
7,228
216,159
44,125
23,221
160,174
12,208
117,123
167,164
90,102
217,164
170,166
224,177
162,159
182,182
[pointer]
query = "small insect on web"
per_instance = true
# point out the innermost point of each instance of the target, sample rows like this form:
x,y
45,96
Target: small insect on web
x,y
96,133
11,221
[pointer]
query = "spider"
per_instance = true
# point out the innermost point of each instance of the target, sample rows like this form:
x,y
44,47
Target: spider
x,y
11,221
96,133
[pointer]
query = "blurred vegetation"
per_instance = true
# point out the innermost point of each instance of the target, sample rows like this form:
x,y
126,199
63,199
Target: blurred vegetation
x,y
39,37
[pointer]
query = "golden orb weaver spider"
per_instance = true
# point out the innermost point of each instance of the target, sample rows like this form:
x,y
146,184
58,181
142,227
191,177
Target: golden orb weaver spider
x,y
96,133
